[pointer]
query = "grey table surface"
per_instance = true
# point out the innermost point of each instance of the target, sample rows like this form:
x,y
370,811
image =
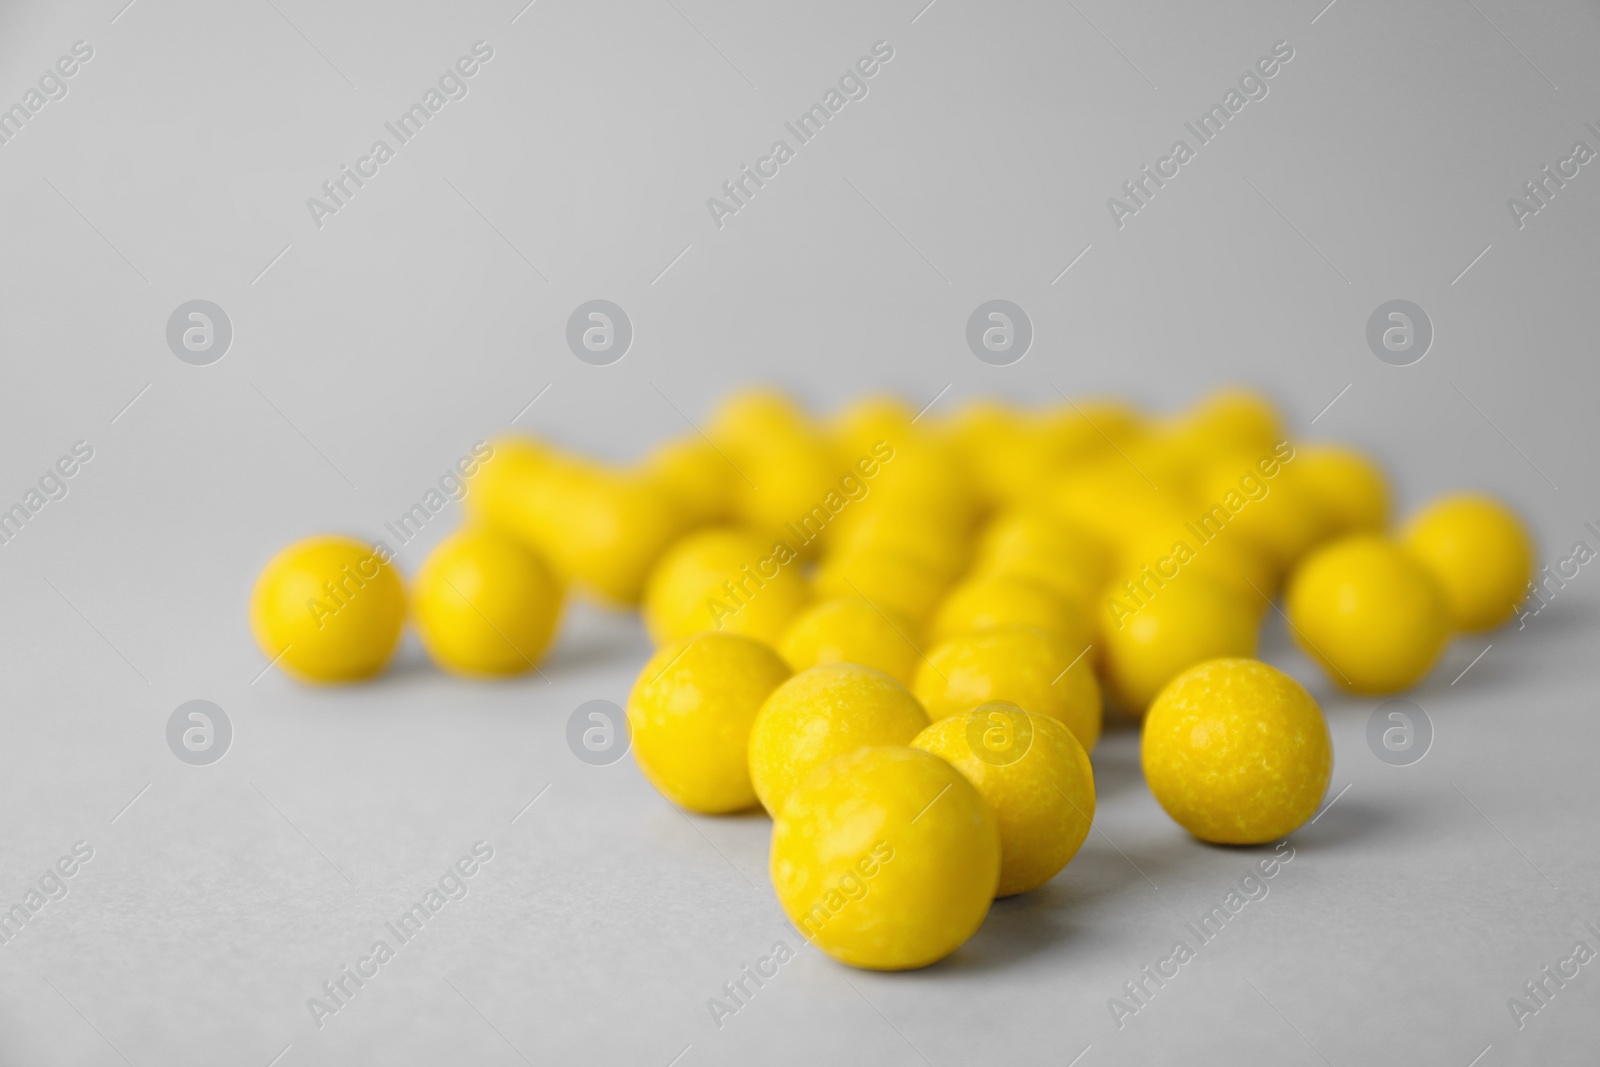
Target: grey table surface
x,y
372,345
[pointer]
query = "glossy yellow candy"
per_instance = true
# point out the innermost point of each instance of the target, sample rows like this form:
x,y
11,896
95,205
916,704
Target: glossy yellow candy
x,y
821,713
889,579
1011,600
690,714
1152,629
1481,553
851,630
886,858
1237,752
485,604
1034,775
1025,666
331,607
727,579
1373,616
1348,486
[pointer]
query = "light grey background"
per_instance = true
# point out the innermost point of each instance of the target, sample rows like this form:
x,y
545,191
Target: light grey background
x,y
370,354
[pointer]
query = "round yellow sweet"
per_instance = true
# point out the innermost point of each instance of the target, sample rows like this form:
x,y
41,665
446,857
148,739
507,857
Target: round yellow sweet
x,y
485,604
1034,775
697,475
1481,553
1369,613
1348,486
1151,633
824,712
1025,666
1010,600
727,579
328,609
938,544
689,718
1277,512
886,859
1233,418
851,630
889,579
1030,543
1237,752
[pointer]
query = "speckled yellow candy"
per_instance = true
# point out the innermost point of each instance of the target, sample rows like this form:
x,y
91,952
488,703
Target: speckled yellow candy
x,y
1237,752
328,609
690,715
851,630
1036,777
1481,553
1369,613
886,858
825,712
485,605
1028,667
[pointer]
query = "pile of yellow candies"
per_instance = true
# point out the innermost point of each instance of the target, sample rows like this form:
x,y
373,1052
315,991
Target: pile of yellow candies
x,y
896,632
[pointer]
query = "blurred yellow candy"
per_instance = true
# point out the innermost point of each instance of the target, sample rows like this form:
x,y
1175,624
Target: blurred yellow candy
x,y
485,604
892,580
1348,487
1479,551
869,420
1261,496
1025,666
821,713
940,545
1151,630
1232,420
1369,613
727,579
690,714
1034,774
1011,600
328,609
752,416
886,859
1238,753
851,630
697,475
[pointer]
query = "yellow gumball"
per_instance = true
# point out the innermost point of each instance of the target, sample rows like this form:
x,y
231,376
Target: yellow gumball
x,y
1348,487
1261,496
1034,775
485,604
1151,629
328,609
1481,553
1369,613
875,525
1010,600
689,718
1237,752
886,859
889,579
821,713
1020,664
727,579
1030,543
851,630
698,476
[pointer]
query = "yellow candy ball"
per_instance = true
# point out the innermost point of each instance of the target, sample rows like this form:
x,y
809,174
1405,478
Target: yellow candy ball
x,y
690,714
331,607
1237,752
698,476
1020,664
821,713
1232,419
1010,600
877,525
1481,553
1348,487
1031,543
1154,630
727,579
1034,775
485,604
1374,617
886,858
851,630
889,579
1276,512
